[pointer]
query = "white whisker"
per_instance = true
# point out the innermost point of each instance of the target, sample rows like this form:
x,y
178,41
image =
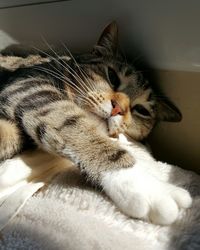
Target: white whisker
x,y
56,75
55,59
66,65
83,73
62,78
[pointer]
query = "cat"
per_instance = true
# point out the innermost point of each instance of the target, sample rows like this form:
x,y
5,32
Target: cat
x,y
74,107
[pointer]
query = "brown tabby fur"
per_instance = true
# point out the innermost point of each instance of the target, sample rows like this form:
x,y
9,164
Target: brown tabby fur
x,y
64,106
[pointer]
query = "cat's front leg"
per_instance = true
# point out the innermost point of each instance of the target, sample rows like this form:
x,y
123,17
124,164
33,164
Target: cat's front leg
x,y
65,129
140,194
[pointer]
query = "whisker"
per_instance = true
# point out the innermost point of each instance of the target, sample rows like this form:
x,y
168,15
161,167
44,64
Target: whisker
x,y
82,83
89,101
62,78
83,73
48,45
69,69
60,74
54,58
54,52
85,101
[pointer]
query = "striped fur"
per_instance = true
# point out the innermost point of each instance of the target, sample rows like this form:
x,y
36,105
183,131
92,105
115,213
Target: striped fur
x,y
72,107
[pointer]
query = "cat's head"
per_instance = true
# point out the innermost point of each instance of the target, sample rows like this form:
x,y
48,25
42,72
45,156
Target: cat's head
x,y
112,89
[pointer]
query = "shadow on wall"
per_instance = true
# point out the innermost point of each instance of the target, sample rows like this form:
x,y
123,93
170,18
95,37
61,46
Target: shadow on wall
x,y
6,40
179,143
77,24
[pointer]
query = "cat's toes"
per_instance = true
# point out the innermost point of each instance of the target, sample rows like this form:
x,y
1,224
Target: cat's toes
x,y
164,211
182,198
141,195
136,206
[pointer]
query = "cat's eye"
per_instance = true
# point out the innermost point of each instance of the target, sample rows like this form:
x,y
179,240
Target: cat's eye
x,y
113,78
141,110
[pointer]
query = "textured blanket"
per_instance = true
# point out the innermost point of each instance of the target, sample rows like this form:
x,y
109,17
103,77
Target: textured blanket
x,y
70,214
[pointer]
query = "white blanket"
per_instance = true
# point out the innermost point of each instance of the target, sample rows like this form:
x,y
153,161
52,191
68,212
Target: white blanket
x,y
69,214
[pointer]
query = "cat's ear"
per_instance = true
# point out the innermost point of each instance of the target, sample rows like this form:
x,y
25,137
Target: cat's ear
x,y
167,111
108,41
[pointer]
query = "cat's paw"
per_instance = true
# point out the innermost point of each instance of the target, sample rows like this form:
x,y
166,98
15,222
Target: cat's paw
x,y
141,195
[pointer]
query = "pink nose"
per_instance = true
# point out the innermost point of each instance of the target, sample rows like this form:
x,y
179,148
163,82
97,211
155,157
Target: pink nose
x,y
116,109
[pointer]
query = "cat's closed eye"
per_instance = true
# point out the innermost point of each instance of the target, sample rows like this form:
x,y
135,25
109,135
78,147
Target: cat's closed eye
x,y
113,78
140,110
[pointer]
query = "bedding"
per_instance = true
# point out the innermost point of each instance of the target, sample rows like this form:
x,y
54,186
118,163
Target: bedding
x,y
70,214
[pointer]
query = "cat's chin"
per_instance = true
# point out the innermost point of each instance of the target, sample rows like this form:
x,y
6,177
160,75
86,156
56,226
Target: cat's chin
x,y
110,125
114,125
114,134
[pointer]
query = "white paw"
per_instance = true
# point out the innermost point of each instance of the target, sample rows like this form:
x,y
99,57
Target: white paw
x,y
140,195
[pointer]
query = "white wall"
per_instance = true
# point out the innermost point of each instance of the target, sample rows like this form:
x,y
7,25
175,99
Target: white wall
x,y
167,32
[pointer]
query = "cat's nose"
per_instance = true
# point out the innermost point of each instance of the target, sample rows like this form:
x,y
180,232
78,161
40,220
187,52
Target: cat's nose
x,y
116,110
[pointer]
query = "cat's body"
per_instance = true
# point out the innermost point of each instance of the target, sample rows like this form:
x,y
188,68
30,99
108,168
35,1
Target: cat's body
x,y
72,107
37,107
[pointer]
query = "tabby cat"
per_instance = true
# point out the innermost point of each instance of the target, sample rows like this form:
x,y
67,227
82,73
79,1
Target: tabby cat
x,y
74,106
